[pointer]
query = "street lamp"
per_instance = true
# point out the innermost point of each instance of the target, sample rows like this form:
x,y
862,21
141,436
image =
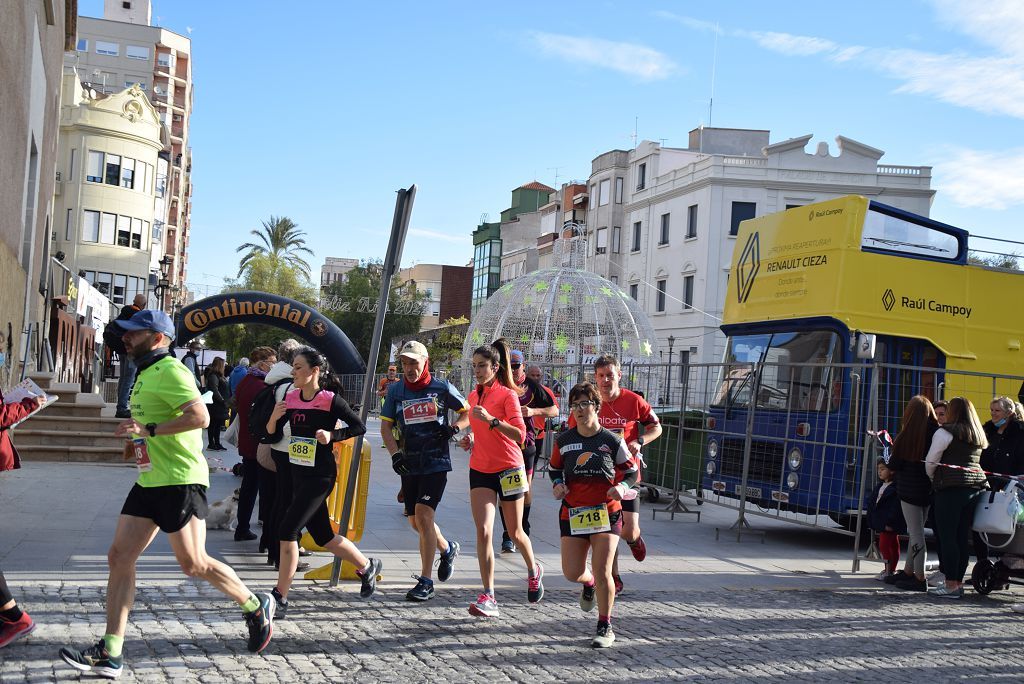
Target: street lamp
x,y
671,341
164,283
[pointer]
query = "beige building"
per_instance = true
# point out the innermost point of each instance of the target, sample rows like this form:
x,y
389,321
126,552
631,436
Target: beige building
x,y
123,49
107,189
335,270
33,37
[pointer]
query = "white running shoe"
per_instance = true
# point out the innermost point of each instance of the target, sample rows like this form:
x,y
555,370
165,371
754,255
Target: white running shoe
x,y
485,606
936,578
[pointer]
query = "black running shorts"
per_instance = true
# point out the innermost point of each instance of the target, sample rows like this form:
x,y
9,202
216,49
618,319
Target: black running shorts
x,y
426,490
530,458
631,505
170,507
478,480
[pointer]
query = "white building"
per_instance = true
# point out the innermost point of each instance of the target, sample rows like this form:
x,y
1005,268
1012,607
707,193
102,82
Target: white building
x,y
335,270
667,238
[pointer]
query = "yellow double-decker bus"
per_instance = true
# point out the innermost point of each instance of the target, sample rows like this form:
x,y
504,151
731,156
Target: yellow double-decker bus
x,y
828,300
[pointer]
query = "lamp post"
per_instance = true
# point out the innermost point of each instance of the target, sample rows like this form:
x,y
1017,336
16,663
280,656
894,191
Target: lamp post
x,y
163,285
671,341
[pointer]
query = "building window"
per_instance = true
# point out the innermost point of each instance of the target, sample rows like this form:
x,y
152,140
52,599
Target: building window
x,y
113,169
602,241
105,48
83,45
165,59
90,226
103,282
158,227
634,291
615,280
67,226
741,211
124,231
616,238
94,167
636,237
793,206
128,173
618,191
136,52
663,237
136,233
108,228
691,221
659,305
120,285
605,192
687,293
71,165
641,176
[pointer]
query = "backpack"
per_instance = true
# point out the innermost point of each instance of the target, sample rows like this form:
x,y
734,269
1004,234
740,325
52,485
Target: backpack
x,y
261,408
112,333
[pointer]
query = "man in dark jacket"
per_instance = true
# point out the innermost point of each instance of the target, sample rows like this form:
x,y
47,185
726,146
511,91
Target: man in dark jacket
x,y
128,370
191,361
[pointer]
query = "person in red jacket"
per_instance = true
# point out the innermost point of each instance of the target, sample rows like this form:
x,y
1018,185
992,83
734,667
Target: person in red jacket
x,y
14,622
260,362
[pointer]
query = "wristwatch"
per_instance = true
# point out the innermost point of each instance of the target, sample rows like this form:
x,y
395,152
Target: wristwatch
x,y
495,423
151,428
640,440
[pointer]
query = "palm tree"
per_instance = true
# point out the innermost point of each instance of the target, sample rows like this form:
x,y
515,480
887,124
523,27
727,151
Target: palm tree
x,y
282,240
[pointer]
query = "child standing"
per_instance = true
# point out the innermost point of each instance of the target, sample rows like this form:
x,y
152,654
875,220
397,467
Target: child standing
x,y
886,518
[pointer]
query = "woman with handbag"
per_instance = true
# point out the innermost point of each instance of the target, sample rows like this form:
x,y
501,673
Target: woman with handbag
x,y
1004,454
954,465
217,384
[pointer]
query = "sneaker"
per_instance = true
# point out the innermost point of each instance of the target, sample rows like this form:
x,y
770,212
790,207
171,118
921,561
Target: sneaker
x,y
446,563
94,659
945,592
508,546
617,581
639,549
535,585
485,606
123,414
587,598
911,584
1017,608
282,605
12,631
884,575
245,535
936,578
423,591
605,637
896,577
261,623
369,578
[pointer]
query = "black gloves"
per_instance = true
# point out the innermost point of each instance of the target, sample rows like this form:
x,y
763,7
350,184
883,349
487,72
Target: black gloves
x,y
446,432
398,463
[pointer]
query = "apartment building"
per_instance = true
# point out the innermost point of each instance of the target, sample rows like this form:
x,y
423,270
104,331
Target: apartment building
x,y
447,290
335,270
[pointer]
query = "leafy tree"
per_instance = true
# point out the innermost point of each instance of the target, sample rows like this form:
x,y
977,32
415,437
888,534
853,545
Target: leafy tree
x,y
352,306
446,348
1008,261
282,241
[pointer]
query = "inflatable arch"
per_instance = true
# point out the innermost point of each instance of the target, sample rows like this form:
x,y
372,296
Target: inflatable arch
x,y
273,310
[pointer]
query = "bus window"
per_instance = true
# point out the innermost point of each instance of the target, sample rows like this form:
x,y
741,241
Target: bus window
x,y
886,233
929,380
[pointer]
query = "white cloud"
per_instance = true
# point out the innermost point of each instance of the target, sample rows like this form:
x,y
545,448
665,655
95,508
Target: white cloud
x,y
634,60
978,179
434,235
997,23
789,44
688,22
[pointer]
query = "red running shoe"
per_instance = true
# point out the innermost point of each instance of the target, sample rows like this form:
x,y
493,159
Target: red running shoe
x,y
638,548
12,631
617,581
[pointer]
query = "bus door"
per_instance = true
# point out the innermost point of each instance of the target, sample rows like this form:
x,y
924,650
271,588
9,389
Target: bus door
x,y
898,385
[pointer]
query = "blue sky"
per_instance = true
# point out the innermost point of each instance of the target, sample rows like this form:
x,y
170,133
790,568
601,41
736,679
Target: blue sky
x,y
319,111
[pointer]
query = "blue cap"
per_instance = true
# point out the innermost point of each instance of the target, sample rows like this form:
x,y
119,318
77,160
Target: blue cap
x,y
149,319
516,356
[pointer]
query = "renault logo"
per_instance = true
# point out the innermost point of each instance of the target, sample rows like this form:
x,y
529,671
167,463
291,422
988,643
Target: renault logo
x,y
749,263
888,300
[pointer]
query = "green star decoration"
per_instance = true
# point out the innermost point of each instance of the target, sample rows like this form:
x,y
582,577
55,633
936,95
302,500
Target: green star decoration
x,y
645,346
528,299
563,300
540,286
477,338
625,345
566,287
590,299
607,291
524,338
561,343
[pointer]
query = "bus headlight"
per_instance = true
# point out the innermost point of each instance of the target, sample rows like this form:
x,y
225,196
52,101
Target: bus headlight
x,y
795,458
710,468
712,449
792,480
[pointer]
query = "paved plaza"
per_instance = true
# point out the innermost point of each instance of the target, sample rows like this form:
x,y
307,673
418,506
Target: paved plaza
x,y
696,610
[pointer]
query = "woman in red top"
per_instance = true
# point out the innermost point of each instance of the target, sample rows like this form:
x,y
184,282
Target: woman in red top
x,y
591,471
496,469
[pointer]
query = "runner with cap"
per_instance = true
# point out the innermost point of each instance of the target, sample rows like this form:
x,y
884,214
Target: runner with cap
x,y
418,406
166,439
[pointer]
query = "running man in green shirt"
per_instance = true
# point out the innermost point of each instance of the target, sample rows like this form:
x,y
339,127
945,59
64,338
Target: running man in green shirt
x,y
165,433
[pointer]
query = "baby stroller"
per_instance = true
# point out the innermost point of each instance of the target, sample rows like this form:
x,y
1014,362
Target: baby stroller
x,y
988,575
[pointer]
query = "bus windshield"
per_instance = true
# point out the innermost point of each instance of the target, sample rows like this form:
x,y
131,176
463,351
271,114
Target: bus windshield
x,y
796,371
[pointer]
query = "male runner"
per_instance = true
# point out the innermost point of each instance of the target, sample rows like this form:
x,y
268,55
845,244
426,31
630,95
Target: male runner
x,y
621,411
419,404
165,430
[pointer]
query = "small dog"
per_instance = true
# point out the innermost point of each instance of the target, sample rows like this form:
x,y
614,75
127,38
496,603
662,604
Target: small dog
x,y
223,514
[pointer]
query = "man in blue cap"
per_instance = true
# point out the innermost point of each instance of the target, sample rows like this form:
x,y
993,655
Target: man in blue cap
x,y
165,437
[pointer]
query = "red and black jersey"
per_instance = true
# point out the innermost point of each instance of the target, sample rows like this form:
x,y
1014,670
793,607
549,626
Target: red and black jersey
x,y
589,466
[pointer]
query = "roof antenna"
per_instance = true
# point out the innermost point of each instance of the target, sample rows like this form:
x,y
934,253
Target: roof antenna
x,y
636,121
714,63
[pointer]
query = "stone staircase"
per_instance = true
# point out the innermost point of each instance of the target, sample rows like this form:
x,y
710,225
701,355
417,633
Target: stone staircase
x,y
72,429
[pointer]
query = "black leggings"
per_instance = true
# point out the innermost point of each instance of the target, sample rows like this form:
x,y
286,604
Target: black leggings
x,y
5,593
247,496
308,508
282,500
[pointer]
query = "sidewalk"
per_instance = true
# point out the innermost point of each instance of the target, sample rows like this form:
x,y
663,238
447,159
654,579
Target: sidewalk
x,y
788,609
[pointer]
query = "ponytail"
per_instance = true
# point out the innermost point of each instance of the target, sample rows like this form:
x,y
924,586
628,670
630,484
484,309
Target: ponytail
x,y
497,353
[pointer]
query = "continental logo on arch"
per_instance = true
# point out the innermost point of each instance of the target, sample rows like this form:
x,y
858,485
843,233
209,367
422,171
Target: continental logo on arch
x,y
748,266
198,320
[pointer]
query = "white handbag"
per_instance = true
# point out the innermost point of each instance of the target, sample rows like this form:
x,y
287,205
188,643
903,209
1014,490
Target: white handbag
x,y
231,434
997,511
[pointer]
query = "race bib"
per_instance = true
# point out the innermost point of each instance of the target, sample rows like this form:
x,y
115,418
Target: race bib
x,y
589,519
419,411
513,481
141,454
302,451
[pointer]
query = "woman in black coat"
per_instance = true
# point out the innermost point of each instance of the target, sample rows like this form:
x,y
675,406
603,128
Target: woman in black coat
x,y
1005,453
217,384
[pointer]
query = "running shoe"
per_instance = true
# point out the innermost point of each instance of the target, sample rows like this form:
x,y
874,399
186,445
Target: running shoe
x,y
945,592
369,578
883,576
508,546
485,606
535,585
261,623
605,637
638,549
94,659
936,578
423,591
12,631
282,605
446,563
587,598
1017,608
911,584
617,581
896,577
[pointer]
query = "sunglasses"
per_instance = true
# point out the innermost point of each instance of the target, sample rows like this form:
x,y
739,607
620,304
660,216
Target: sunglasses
x,y
516,366
582,405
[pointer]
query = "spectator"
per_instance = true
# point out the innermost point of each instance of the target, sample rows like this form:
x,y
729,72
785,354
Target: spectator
x,y
191,361
218,387
237,374
886,518
262,360
913,487
128,370
959,442
940,411
1005,452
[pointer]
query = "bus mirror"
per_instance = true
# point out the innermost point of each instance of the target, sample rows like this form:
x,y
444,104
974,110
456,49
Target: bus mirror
x,y
865,346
